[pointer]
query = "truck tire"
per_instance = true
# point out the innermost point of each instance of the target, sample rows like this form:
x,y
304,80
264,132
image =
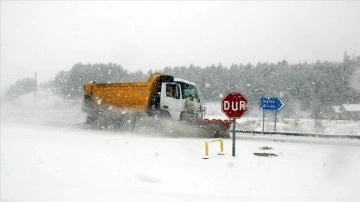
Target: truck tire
x,y
160,114
100,122
90,118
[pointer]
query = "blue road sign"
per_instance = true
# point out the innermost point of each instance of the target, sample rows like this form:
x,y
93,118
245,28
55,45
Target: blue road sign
x,y
271,103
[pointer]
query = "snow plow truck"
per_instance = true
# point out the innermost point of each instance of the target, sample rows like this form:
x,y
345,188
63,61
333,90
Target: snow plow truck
x,y
170,105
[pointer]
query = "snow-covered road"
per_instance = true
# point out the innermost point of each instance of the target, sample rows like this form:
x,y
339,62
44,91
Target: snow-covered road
x,y
53,163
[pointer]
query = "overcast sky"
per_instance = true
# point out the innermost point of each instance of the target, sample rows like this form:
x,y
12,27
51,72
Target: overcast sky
x,y
47,37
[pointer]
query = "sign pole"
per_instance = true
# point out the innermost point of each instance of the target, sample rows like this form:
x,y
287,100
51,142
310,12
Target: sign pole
x,y
233,137
275,121
263,121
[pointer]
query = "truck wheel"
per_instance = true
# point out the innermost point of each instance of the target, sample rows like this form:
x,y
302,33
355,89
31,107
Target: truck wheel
x,y
182,117
161,114
186,117
100,122
90,118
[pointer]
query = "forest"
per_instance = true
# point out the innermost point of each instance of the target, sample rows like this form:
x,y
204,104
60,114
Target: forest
x,y
307,87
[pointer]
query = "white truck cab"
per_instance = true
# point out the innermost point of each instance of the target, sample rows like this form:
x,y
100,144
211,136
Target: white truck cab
x,y
180,98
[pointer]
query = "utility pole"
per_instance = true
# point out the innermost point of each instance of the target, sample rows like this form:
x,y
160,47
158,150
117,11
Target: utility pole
x,y
35,88
316,108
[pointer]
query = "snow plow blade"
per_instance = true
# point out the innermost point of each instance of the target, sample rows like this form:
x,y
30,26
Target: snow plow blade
x,y
200,128
216,128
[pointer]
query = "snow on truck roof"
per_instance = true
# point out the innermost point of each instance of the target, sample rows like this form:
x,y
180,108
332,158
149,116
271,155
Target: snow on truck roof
x,y
184,81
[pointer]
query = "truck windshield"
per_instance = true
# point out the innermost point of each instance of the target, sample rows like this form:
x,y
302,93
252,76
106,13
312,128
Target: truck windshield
x,y
189,91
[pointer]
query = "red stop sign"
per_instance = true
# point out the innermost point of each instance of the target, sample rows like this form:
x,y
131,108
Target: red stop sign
x,y
234,105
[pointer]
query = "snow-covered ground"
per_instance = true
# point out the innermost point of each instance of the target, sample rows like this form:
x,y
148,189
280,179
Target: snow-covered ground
x,y
47,154
253,122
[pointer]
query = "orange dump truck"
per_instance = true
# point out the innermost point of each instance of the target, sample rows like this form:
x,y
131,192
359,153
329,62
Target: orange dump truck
x,y
161,98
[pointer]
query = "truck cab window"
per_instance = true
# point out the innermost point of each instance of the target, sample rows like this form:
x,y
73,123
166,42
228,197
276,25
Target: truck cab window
x,y
170,90
189,91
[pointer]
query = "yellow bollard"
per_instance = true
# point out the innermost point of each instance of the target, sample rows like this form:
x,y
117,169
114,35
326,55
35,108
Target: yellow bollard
x,y
206,150
207,147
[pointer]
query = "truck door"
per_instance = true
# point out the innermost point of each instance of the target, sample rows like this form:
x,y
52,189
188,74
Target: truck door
x,y
171,99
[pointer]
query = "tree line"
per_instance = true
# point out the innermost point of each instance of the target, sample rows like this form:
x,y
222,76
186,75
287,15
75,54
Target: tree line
x,y
303,86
